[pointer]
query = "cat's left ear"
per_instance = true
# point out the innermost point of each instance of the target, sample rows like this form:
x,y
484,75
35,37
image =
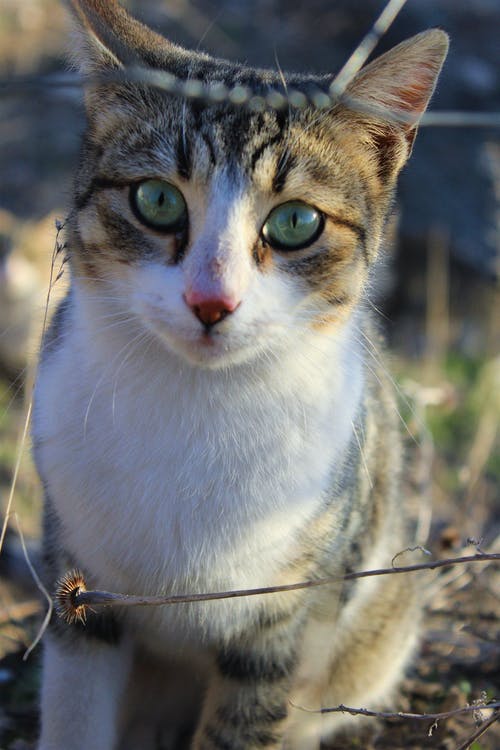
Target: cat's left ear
x,y
107,37
394,90
106,40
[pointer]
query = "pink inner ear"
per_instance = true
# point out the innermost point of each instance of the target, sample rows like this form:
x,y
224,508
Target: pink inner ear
x,y
414,98
403,79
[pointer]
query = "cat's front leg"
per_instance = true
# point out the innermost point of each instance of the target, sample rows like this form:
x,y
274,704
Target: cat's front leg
x,y
83,682
247,702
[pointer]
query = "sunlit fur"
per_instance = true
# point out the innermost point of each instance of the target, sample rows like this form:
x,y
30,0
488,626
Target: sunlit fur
x,y
179,457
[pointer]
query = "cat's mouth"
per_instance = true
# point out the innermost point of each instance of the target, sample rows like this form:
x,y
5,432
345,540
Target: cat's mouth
x,y
207,337
208,346
230,340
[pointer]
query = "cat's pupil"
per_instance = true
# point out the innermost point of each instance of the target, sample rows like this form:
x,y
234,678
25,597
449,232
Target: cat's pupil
x,y
161,199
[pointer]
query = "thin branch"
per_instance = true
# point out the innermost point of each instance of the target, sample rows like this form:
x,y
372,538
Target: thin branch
x,y
73,598
401,714
479,733
417,548
242,96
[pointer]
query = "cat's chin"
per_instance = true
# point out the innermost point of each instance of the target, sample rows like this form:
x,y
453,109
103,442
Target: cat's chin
x,y
209,352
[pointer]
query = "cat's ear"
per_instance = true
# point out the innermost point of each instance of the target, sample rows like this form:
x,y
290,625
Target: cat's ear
x,y
107,37
400,84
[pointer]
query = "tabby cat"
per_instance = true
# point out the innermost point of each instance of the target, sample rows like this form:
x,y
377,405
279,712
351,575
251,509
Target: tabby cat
x,y
206,415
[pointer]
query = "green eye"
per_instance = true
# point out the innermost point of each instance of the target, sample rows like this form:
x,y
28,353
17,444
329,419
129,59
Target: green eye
x,y
159,204
292,226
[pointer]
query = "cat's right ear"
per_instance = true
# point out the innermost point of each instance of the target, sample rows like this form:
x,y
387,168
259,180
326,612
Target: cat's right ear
x,y
107,38
393,91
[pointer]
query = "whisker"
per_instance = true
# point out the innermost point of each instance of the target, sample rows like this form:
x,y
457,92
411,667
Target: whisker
x,y
378,359
145,335
101,379
372,355
362,454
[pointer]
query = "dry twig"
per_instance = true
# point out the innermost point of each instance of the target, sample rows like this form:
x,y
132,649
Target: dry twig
x,y
73,598
390,715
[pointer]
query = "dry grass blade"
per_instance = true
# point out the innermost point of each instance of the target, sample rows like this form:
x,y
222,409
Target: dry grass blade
x,y
19,457
20,452
482,729
27,419
366,46
41,587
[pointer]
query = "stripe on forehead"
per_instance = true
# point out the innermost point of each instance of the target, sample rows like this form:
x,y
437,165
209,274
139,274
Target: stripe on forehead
x,y
239,136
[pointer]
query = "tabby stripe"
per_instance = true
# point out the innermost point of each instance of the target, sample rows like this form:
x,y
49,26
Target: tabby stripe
x,y
313,266
219,742
184,157
224,740
238,665
101,183
263,146
103,627
211,148
252,714
356,228
336,299
53,335
285,164
132,240
266,620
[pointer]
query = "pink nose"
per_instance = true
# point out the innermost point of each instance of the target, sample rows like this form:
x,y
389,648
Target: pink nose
x,y
210,310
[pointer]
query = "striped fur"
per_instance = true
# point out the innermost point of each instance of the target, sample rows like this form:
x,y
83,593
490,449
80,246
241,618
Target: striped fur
x,y
257,448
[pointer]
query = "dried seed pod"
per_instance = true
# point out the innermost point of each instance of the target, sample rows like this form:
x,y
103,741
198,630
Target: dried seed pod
x,y
67,589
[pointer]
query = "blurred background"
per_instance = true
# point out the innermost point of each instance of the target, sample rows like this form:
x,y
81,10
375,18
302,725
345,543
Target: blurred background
x,y
439,308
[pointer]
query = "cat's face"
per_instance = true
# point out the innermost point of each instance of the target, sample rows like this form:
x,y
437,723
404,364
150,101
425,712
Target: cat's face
x,y
228,233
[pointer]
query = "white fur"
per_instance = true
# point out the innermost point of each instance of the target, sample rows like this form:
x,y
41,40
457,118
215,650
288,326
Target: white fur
x,y
89,681
171,477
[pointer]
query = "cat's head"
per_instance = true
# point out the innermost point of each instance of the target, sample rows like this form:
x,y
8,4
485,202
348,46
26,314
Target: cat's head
x,y
228,232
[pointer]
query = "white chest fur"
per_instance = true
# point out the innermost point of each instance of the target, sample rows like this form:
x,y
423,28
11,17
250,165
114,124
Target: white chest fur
x,y
171,478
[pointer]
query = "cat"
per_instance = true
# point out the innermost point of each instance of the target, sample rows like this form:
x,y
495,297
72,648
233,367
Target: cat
x,y
206,413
